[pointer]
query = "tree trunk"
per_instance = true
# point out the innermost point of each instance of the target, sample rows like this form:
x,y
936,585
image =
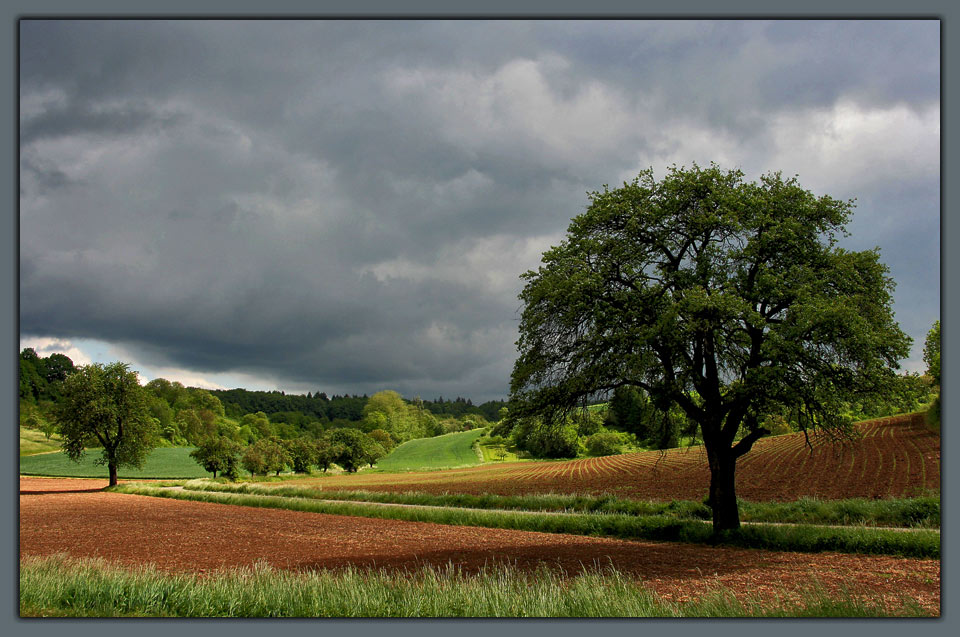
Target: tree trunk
x,y
723,494
113,473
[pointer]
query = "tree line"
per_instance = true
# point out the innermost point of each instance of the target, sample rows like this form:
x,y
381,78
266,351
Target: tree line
x,y
105,407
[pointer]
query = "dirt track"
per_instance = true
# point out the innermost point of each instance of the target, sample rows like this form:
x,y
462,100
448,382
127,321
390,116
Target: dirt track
x,y
73,516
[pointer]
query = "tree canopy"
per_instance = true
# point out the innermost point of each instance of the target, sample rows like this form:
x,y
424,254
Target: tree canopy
x,y
105,405
726,298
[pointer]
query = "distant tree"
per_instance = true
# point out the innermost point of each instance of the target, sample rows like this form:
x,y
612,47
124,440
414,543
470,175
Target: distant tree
x,y
350,448
275,455
727,299
32,383
931,352
106,404
48,427
302,452
385,439
168,391
217,453
254,461
931,356
57,367
191,426
326,453
258,423
387,410
372,451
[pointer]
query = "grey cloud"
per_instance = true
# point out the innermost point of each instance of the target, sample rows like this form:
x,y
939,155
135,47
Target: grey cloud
x,y
239,181
72,120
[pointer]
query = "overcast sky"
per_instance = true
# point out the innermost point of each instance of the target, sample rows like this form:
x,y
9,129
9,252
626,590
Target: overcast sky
x,y
347,206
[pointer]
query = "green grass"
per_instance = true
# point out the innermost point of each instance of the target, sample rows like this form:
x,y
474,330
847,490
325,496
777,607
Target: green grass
x,y
61,587
449,450
163,462
33,441
491,454
921,512
806,538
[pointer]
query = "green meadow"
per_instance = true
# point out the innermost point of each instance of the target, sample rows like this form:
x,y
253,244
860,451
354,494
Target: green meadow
x,y
163,462
449,450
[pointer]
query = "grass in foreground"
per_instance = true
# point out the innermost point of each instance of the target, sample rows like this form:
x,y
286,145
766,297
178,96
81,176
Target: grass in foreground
x,y
803,538
61,587
163,462
449,450
921,512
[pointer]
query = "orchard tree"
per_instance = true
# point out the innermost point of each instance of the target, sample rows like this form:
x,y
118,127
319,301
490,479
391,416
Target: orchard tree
x,y
350,446
218,453
275,456
302,452
728,299
253,461
105,405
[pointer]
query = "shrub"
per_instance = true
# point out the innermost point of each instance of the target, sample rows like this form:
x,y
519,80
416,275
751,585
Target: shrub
x,y
604,443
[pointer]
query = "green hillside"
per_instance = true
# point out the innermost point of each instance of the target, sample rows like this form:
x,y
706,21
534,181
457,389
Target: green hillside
x,y
34,441
449,450
164,462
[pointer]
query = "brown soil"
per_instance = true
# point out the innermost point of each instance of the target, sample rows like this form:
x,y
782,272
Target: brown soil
x,y
893,457
73,517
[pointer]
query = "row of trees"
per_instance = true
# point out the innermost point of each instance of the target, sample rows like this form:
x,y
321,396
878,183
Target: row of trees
x,y
320,407
104,406
348,448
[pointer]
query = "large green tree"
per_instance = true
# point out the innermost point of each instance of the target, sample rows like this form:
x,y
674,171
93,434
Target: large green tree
x,y
727,298
105,405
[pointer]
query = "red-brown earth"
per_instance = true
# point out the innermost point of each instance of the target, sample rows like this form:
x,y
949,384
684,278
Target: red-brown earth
x,y
74,517
892,457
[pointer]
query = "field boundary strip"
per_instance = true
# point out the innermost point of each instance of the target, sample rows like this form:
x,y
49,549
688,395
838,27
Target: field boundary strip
x,y
805,538
441,507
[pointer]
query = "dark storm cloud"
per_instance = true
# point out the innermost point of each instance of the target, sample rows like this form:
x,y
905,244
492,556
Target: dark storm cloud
x,y
349,204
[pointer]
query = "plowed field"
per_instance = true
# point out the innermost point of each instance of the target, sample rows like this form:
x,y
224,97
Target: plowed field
x,y
76,518
893,457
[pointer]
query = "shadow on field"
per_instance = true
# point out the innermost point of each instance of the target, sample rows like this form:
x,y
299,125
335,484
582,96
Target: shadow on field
x,y
61,491
638,558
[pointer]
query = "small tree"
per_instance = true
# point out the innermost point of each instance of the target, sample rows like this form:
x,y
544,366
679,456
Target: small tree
x,y
326,453
105,404
253,461
384,438
217,453
349,446
275,455
372,451
302,452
